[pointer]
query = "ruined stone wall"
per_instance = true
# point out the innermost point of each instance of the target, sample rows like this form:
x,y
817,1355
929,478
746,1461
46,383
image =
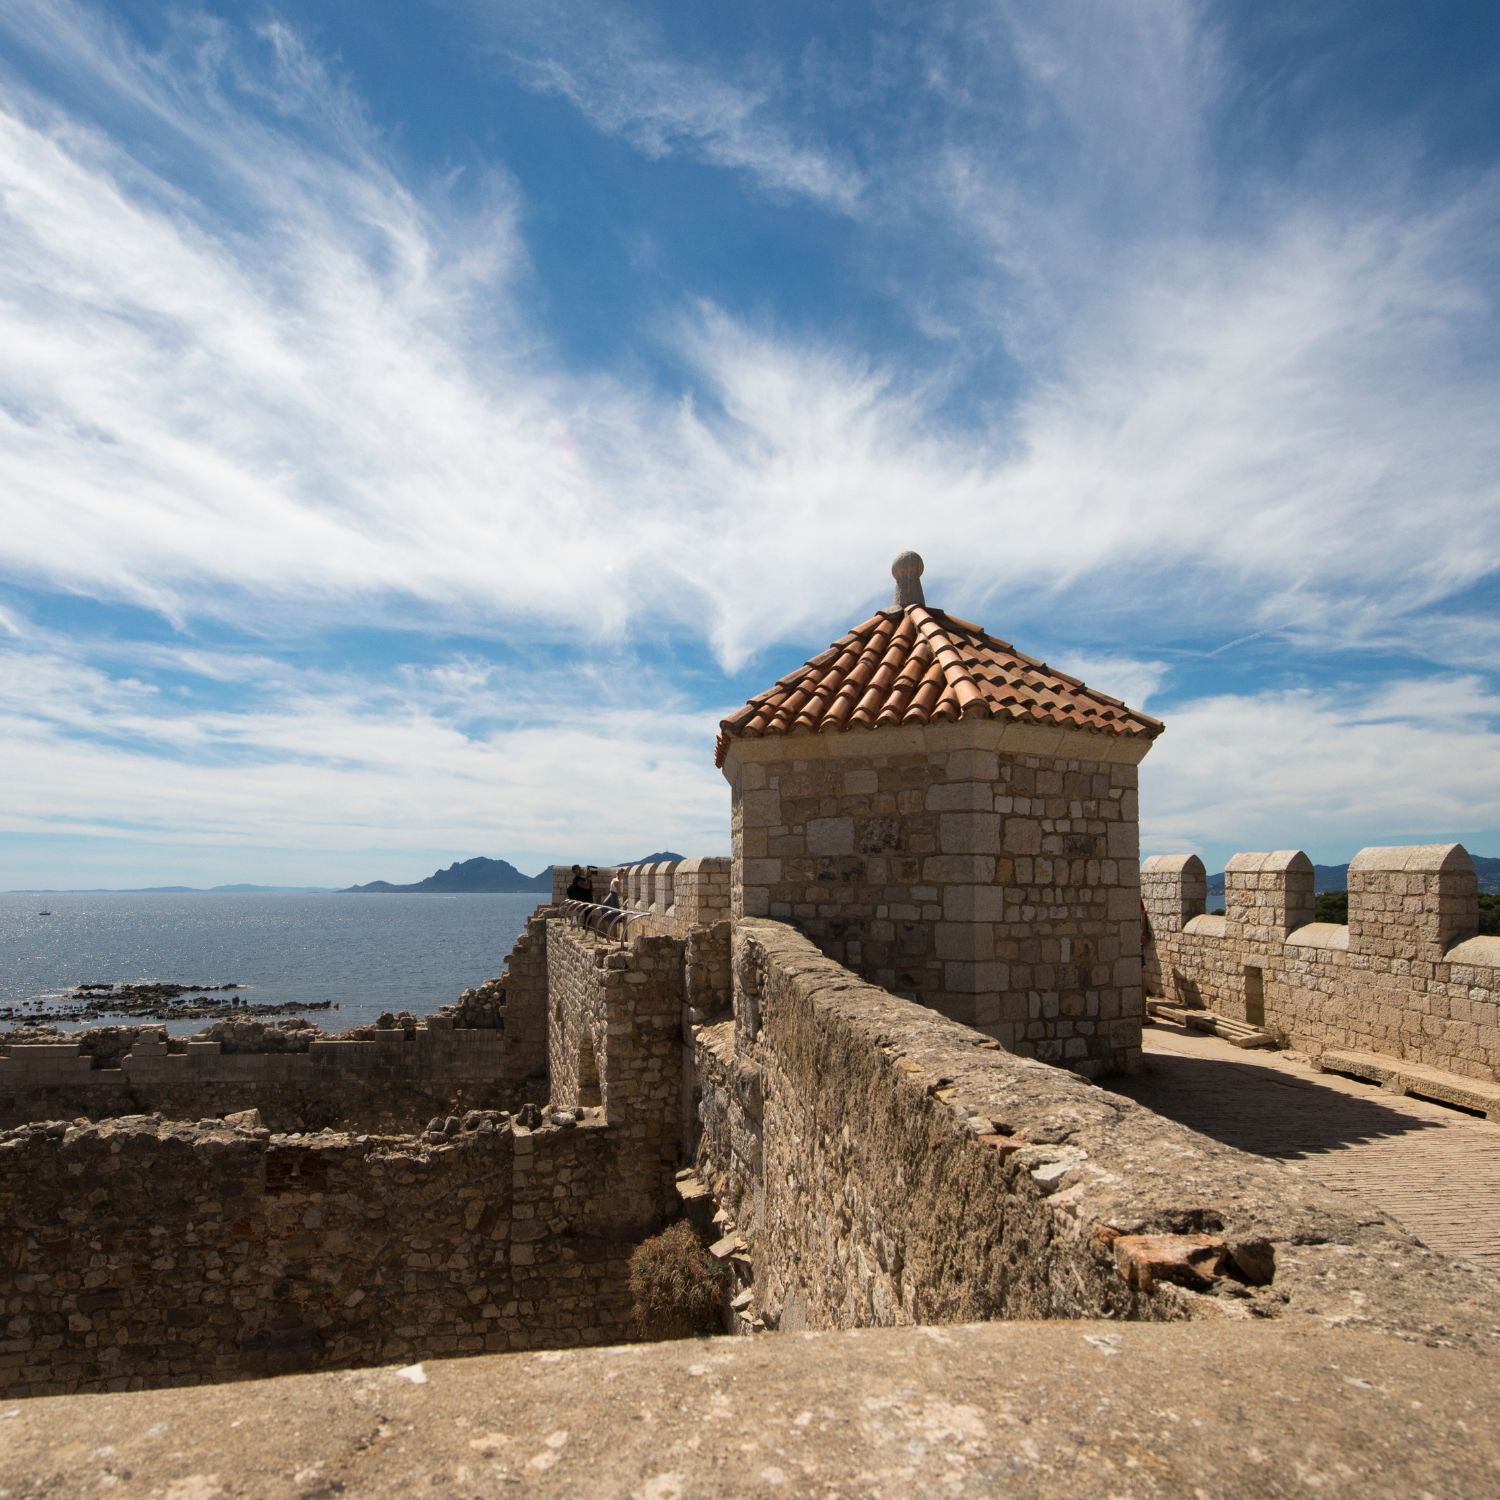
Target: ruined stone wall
x,y
1406,978
390,1079
886,1165
144,1252
999,887
617,1028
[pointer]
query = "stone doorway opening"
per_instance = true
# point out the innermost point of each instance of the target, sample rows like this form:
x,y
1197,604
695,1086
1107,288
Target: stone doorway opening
x,y
1255,995
589,1096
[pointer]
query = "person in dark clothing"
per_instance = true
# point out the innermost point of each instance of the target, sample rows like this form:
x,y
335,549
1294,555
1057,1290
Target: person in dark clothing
x,y
579,888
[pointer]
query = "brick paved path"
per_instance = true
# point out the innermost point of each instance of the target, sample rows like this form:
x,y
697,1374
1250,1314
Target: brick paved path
x,y
1436,1170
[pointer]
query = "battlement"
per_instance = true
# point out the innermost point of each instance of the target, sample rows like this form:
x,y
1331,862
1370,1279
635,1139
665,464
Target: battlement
x,y
1408,977
679,894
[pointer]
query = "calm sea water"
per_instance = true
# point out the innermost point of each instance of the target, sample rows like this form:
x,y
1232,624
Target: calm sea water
x,y
365,953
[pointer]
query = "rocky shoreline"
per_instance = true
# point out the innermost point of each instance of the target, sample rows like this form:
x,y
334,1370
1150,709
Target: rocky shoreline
x,y
154,1001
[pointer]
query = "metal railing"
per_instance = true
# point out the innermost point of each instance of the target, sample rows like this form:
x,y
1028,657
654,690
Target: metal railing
x,y
611,922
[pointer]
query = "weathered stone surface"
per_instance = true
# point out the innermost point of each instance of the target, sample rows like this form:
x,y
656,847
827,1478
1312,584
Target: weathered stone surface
x,y
1078,1410
889,1166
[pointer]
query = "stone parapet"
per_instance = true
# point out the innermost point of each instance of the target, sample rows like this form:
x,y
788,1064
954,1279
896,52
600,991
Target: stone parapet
x,y
1268,895
1412,902
889,1166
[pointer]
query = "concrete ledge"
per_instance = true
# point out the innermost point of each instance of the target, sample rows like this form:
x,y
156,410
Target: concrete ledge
x,y
1415,1078
1066,1409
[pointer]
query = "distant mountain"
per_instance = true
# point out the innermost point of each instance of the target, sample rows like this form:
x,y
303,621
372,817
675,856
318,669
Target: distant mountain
x,y
652,859
1336,877
477,876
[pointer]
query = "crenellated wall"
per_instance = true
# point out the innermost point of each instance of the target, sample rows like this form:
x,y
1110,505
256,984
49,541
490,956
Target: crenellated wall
x,y
1406,978
678,894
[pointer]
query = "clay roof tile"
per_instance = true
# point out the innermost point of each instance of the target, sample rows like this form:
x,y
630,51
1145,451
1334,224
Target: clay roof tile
x,y
918,665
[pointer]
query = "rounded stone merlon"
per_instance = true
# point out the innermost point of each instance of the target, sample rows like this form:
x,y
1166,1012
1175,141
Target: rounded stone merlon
x,y
907,571
1173,864
1417,858
1276,859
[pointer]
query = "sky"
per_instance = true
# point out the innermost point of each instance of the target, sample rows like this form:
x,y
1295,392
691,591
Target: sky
x,y
420,423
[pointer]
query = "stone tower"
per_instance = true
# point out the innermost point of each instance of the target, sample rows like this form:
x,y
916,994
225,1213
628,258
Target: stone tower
x,y
955,821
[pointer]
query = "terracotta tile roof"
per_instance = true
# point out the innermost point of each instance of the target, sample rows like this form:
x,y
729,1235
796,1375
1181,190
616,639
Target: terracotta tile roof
x,y
915,665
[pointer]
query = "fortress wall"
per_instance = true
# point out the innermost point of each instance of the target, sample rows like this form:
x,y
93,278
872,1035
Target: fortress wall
x,y
1000,887
887,1165
397,1082
680,895
616,1027
486,1051
562,876
143,1252
1406,978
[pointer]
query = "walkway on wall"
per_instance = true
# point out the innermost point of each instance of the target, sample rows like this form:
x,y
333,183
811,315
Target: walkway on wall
x,y
1436,1170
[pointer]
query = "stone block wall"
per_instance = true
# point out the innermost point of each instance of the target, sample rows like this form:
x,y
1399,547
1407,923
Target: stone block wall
x,y
562,877
1406,978
145,1252
887,1165
617,1029
989,872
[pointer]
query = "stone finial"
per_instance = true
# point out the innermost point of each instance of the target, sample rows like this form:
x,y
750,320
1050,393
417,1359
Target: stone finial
x,y
907,571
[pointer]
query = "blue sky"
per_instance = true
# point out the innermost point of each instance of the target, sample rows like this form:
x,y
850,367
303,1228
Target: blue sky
x,y
419,424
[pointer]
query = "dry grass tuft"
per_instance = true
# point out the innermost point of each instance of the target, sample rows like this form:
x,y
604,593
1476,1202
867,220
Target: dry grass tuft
x,y
677,1285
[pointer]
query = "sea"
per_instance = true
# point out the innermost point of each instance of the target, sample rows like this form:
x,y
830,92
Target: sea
x,y
365,954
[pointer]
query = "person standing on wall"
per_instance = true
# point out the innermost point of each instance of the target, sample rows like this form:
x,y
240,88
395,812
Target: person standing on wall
x,y
615,899
579,888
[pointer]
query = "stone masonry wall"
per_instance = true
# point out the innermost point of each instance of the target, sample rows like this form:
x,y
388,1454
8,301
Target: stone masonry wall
x,y
145,1252
999,887
395,1081
617,1023
679,895
1406,978
887,1165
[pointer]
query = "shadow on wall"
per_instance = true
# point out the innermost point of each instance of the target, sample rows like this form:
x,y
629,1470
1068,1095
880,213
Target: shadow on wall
x,y
1260,1109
